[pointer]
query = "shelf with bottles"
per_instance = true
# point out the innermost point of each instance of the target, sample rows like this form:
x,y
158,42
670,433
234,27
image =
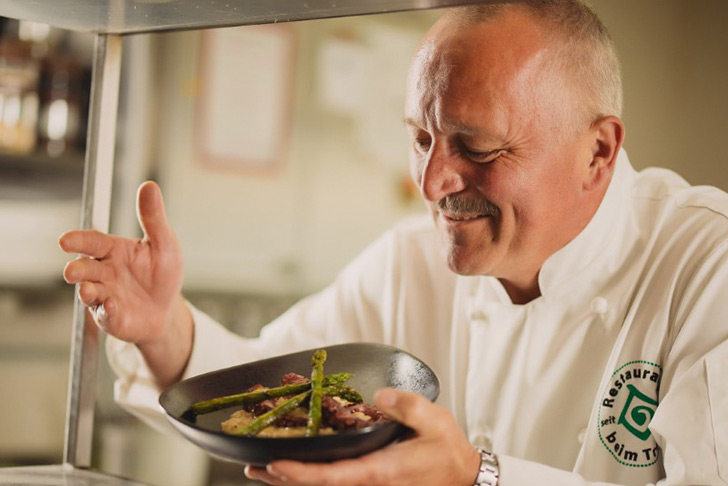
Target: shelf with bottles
x,y
69,161
38,176
44,91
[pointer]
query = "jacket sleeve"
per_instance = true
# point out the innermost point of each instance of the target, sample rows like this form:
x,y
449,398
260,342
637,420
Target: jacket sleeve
x,y
135,389
691,421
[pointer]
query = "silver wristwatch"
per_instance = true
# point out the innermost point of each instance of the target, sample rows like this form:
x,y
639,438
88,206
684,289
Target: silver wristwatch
x,y
489,472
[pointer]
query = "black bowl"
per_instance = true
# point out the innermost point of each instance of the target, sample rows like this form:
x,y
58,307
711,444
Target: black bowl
x,y
374,366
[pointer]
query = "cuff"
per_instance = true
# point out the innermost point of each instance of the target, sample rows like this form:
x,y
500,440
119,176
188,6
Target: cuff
x,y
135,389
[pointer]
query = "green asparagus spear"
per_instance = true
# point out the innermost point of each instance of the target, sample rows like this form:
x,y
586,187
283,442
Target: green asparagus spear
x,y
337,379
256,396
317,378
268,418
347,393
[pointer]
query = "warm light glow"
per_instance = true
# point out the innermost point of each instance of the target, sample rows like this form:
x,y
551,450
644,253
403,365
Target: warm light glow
x,y
11,111
57,124
33,31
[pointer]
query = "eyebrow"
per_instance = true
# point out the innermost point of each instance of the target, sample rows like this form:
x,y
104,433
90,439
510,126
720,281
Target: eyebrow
x,y
451,127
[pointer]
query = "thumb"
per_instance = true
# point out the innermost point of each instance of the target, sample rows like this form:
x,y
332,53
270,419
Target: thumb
x,y
410,409
150,213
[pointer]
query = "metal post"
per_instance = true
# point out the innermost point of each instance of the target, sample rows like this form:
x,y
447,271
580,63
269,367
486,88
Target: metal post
x,y
96,207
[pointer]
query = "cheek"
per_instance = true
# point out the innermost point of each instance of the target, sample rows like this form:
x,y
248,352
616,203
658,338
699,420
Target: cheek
x,y
544,204
499,183
519,195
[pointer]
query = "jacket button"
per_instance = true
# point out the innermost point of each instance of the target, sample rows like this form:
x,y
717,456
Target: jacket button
x,y
599,305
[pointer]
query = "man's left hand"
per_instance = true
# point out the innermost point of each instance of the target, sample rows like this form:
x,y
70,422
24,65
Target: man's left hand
x,y
438,453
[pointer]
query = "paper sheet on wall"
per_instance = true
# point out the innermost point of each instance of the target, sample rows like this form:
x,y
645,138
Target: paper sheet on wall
x,y
364,77
246,95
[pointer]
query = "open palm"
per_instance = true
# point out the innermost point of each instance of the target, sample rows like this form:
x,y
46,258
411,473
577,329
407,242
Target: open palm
x,y
130,284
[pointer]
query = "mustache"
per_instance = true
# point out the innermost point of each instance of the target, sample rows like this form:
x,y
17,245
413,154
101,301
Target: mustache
x,y
460,205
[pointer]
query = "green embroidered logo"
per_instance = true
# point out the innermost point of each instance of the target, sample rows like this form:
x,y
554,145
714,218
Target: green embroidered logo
x,y
635,417
627,407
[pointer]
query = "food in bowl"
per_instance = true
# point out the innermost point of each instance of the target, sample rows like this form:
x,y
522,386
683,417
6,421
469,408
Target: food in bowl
x,y
298,407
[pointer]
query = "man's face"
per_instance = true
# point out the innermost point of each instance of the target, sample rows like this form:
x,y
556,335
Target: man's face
x,y
499,164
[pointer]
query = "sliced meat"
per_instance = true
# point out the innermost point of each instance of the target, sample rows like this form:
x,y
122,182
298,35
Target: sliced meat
x,y
260,407
343,417
293,379
371,411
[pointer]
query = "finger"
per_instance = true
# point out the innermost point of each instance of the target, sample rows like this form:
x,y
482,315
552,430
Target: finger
x,y
411,409
367,470
257,474
151,214
86,242
301,474
100,317
86,270
104,314
92,294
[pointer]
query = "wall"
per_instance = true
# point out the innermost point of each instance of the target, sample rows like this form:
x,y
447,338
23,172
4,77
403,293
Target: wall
x,y
675,83
291,229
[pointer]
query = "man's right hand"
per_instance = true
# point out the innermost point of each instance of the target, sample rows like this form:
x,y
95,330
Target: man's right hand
x,y
133,286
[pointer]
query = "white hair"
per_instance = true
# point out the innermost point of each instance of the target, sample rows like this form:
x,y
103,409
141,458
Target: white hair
x,y
584,50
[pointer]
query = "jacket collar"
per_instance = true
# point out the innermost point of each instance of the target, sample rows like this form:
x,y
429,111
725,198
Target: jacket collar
x,y
595,243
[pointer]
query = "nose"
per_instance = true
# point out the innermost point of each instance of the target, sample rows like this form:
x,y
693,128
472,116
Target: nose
x,y
440,175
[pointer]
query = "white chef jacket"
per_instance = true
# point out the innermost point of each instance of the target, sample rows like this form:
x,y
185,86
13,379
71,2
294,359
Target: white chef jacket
x,y
617,374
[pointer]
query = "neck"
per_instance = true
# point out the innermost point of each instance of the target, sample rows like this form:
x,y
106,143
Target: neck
x,y
522,292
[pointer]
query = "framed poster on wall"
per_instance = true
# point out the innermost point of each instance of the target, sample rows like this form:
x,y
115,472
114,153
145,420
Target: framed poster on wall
x,y
244,108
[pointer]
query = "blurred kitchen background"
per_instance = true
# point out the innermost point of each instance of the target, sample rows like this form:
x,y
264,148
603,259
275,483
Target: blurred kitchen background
x,y
281,154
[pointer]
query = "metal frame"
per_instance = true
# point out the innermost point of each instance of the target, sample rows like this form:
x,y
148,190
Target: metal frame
x,y
96,207
135,16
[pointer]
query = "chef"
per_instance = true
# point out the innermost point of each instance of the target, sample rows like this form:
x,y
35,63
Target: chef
x,y
574,309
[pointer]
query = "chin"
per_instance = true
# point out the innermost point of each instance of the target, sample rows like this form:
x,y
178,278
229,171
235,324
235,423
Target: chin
x,y
465,265
464,270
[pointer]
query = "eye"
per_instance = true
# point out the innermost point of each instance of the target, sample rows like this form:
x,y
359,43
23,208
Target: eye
x,y
481,157
421,143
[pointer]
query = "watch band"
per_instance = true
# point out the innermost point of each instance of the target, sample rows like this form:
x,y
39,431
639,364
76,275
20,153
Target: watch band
x,y
489,471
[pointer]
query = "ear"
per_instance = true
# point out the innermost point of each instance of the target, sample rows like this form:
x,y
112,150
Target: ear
x,y
607,137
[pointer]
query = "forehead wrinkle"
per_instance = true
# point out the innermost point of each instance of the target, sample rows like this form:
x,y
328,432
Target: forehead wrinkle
x,y
454,60
429,77
448,126
441,124
519,95
432,70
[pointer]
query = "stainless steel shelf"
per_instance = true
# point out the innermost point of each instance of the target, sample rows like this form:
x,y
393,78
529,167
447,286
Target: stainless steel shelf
x,y
136,16
59,475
